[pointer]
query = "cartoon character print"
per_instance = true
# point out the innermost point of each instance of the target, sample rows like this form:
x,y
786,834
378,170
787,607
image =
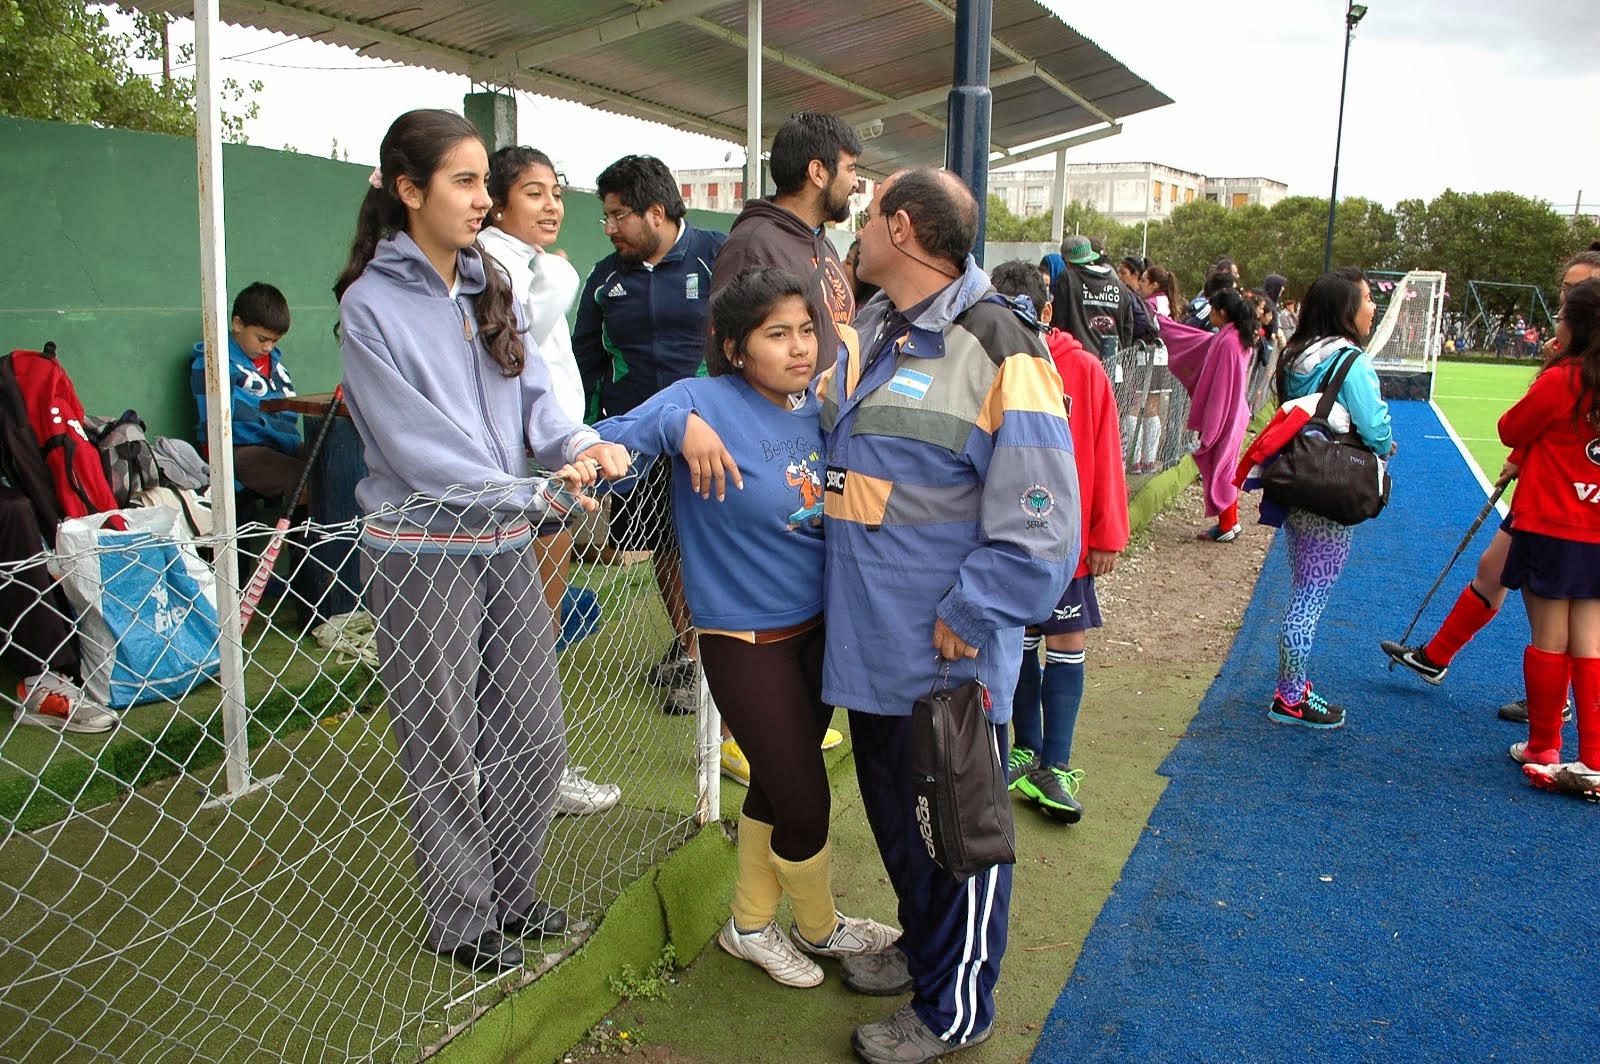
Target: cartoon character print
x,y
805,480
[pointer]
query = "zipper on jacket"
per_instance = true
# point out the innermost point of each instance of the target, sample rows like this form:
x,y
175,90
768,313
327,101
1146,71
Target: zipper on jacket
x,y
477,377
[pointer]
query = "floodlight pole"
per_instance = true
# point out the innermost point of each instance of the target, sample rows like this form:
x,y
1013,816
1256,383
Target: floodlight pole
x,y
967,143
1353,14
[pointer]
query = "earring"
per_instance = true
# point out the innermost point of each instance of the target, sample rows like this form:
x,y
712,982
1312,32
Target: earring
x,y
739,364
499,215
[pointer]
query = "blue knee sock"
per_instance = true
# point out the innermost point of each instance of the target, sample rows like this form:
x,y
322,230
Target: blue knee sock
x,y
1025,720
1063,697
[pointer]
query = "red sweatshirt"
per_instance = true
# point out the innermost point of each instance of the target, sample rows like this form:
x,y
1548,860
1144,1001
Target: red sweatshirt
x,y
1558,489
1096,444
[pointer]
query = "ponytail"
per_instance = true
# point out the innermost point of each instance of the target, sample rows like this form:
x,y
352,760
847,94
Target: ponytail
x,y
1240,312
416,145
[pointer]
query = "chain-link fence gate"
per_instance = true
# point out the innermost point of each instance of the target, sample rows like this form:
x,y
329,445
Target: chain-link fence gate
x,y
154,909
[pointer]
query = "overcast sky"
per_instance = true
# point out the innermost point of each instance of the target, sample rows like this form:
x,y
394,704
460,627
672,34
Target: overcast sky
x,y
1475,95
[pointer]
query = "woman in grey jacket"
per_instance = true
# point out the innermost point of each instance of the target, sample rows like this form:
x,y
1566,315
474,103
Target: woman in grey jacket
x,y
448,396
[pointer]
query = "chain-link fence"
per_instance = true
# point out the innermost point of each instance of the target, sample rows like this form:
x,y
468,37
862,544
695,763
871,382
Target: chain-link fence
x,y
1154,408
266,855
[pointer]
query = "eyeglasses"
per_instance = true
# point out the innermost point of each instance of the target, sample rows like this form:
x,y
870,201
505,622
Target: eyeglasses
x,y
613,219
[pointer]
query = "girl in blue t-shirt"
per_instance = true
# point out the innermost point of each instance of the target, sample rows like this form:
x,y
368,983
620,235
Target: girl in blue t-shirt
x,y
752,572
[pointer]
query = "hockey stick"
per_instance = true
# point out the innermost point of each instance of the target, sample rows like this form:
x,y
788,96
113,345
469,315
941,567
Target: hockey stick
x,y
1483,515
280,531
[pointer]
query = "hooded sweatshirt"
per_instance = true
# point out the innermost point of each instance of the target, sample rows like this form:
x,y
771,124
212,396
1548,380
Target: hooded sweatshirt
x,y
438,416
252,426
1361,393
951,493
546,285
766,234
1093,305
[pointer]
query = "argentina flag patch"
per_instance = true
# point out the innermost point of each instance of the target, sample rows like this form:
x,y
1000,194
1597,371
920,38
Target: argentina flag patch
x,y
909,382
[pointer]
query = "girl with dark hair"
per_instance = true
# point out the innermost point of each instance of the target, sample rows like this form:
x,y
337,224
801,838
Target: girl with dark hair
x,y
1130,270
447,400
1334,321
1483,596
1213,367
1555,547
519,234
755,423
1159,286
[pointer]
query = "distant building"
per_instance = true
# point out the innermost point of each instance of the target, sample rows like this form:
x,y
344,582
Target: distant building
x,y
1130,192
1235,192
722,189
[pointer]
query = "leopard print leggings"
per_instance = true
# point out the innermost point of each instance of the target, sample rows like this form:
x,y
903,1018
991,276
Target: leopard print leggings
x,y
1318,548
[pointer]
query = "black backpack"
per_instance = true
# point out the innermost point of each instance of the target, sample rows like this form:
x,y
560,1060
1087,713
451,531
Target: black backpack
x,y
21,461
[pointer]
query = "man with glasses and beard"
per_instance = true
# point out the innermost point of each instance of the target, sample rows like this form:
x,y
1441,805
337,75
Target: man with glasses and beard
x,y
642,324
813,167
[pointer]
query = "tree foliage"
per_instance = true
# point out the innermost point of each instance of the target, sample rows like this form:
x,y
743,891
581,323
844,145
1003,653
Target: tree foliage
x,y
1496,236
62,61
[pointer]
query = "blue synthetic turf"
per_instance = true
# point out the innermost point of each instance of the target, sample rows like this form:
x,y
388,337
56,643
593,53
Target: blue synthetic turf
x,y
1393,890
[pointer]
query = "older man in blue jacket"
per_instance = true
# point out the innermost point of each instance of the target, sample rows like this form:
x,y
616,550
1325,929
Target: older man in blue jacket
x,y
952,522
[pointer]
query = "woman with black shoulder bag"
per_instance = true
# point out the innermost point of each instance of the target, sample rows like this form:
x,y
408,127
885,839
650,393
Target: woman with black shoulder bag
x,y
1335,319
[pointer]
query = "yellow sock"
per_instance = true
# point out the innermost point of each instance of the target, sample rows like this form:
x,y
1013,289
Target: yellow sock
x,y
756,891
810,887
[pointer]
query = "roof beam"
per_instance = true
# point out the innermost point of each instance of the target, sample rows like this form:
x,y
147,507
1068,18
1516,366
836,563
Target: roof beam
x,y
453,59
1050,147
935,96
535,80
458,61
536,52
1017,57
794,62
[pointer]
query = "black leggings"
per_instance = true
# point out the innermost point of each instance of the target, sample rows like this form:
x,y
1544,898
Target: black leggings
x,y
770,695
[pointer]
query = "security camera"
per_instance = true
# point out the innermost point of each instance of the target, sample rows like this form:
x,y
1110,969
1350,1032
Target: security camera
x,y
868,130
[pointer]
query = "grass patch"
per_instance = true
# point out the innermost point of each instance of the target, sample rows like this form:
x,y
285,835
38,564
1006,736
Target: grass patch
x,y
44,775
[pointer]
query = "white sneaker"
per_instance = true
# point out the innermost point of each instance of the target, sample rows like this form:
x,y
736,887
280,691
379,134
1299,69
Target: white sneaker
x,y
771,950
1571,777
852,936
50,700
576,796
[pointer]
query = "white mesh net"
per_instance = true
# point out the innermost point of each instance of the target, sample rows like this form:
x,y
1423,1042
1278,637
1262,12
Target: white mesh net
x,y
151,908
1409,334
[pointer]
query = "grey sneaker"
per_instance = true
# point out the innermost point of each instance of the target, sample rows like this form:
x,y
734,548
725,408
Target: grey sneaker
x,y
578,796
675,669
1517,712
852,936
904,1039
770,950
1021,762
877,974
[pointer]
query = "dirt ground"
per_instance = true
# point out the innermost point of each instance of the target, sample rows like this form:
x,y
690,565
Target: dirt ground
x,y
1174,598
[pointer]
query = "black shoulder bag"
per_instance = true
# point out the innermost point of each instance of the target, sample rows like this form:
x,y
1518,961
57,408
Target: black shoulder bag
x,y
1331,474
963,811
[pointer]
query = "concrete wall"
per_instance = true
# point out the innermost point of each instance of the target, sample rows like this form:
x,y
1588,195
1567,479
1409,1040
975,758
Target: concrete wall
x,y
104,256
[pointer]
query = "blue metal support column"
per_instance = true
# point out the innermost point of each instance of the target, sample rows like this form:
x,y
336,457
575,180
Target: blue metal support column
x,y
967,140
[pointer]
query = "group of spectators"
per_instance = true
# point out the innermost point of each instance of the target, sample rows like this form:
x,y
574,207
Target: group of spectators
x,y
857,480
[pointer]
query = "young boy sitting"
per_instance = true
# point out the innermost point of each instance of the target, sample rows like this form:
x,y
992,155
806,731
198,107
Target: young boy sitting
x,y
266,446
1045,709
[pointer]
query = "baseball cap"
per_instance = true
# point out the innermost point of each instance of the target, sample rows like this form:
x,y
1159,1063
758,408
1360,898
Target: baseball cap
x,y
1078,251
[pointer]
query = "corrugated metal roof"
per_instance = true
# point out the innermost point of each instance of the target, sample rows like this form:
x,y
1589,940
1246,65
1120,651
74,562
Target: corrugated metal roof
x,y
682,62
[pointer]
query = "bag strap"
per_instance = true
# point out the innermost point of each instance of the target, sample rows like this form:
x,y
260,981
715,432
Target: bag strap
x,y
1333,382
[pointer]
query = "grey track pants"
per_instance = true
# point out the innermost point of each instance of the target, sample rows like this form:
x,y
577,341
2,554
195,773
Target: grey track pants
x,y
475,701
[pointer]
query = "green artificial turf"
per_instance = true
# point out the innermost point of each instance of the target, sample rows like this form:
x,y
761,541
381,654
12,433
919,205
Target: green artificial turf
x,y
1473,396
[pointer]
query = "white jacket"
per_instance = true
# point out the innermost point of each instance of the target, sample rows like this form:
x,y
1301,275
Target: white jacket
x,y
546,285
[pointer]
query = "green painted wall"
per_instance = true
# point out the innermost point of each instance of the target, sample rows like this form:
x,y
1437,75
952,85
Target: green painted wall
x,y
104,255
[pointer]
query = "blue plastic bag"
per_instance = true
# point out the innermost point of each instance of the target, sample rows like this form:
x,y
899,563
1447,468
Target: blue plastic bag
x,y
147,615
